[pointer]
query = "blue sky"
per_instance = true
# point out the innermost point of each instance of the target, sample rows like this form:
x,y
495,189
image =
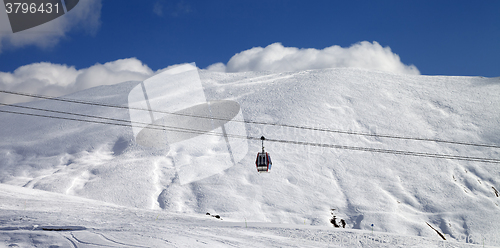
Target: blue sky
x,y
439,37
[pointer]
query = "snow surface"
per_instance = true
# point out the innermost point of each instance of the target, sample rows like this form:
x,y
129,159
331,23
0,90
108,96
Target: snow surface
x,y
99,187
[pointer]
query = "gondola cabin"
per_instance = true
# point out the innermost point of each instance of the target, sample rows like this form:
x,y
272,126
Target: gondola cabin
x,y
263,162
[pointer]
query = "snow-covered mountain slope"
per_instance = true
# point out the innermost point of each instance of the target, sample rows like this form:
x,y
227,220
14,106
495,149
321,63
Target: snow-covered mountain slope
x,y
35,218
397,194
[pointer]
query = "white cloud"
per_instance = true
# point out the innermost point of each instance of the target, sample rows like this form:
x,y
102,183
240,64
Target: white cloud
x,y
182,8
56,80
86,15
218,67
158,9
171,8
276,57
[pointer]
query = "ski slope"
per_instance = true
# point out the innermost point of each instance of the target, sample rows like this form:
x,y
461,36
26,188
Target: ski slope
x,y
110,189
34,218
